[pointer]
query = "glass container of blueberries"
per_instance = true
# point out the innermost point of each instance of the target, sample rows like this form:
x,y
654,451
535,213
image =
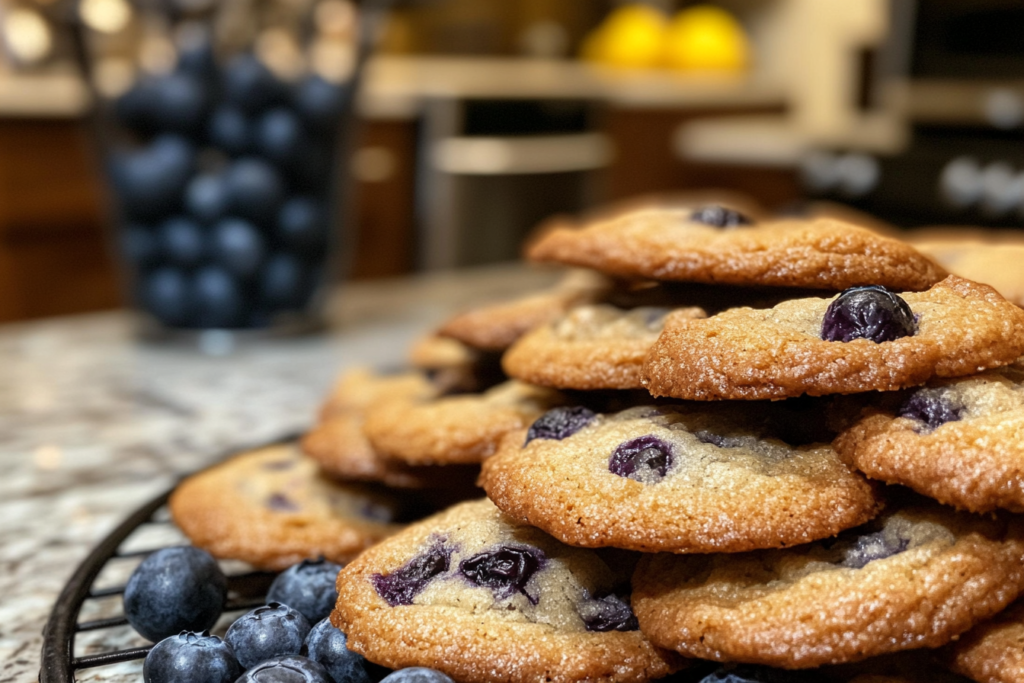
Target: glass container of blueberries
x,y
220,125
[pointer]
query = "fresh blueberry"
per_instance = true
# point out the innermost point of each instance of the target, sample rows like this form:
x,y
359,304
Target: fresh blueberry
x,y
417,674
139,245
150,182
189,657
321,103
402,585
608,613
645,458
873,547
302,224
287,669
230,130
173,590
282,283
249,84
134,109
166,294
719,217
505,570
932,407
265,632
196,56
182,242
238,246
327,645
254,189
308,587
279,136
206,197
217,298
559,423
180,103
871,312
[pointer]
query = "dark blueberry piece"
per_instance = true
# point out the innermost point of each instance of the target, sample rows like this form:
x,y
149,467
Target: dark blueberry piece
x,y
308,587
279,466
327,645
505,570
254,189
134,108
559,423
302,224
321,103
932,408
189,657
182,242
279,136
238,246
180,103
173,590
196,56
873,547
217,298
139,245
645,458
249,84
402,585
705,436
870,312
206,197
166,294
265,632
610,613
282,283
417,674
287,669
746,673
719,217
282,503
230,130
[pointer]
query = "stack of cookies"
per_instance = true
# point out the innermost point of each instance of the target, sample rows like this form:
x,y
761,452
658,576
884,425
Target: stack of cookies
x,y
728,444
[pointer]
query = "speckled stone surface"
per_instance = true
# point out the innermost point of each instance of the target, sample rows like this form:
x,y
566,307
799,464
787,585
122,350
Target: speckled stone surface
x,y
93,423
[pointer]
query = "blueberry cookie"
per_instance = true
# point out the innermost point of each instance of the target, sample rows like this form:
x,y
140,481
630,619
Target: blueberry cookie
x,y
592,347
717,245
462,429
959,441
495,327
916,577
453,368
273,508
359,388
992,652
472,594
865,339
994,264
674,479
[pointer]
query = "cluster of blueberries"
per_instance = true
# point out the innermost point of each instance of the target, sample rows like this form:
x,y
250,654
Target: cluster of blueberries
x,y
222,174
176,594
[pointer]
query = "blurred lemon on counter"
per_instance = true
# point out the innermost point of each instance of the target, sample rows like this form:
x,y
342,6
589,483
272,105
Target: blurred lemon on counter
x,y
631,36
708,38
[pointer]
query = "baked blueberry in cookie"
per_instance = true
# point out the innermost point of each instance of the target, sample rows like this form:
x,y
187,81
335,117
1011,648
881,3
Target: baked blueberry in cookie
x,y
871,312
559,423
487,600
645,458
719,216
932,407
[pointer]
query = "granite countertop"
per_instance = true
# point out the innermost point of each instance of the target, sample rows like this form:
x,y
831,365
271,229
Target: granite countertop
x,y
93,423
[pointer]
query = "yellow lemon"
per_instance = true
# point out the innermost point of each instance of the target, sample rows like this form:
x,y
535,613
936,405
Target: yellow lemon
x,y
631,36
705,37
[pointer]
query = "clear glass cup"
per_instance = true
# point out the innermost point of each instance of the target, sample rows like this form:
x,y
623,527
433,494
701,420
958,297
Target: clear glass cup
x,y
221,128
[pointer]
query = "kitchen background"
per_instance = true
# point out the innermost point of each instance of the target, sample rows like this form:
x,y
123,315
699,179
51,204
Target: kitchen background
x,y
478,119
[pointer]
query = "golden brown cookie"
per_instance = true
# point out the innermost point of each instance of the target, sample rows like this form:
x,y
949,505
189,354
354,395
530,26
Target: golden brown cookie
x,y
592,347
462,429
916,577
359,388
959,328
992,652
495,327
996,264
959,441
723,247
682,479
272,508
453,367
485,600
